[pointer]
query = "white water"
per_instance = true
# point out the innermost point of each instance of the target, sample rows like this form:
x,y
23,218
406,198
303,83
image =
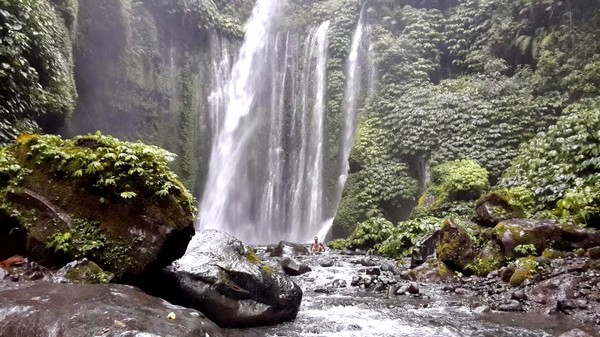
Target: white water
x,y
265,180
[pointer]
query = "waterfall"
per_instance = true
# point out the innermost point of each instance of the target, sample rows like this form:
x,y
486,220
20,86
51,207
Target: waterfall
x,y
351,95
265,179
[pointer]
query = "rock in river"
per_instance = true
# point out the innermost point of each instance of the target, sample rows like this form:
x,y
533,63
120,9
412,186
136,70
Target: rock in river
x,y
108,310
285,248
225,280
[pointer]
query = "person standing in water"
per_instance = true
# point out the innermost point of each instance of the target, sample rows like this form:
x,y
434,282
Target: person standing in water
x,y
316,246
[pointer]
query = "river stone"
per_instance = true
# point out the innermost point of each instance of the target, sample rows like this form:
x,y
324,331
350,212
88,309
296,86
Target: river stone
x,y
285,248
219,276
294,268
67,310
551,291
594,253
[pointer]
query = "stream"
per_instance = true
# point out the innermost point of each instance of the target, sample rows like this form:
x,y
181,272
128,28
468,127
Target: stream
x,y
353,311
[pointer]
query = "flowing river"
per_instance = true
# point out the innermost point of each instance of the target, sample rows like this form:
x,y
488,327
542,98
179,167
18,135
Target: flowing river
x,y
352,311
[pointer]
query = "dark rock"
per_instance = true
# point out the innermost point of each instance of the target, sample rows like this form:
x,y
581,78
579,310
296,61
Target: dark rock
x,y
424,249
137,229
413,288
519,295
575,333
566,304
289,249
594,253
373,271
81,271
222,278
455,247
3,274
339,284
507,272
365,262
512,305
323,290
64,310
355,281
294,268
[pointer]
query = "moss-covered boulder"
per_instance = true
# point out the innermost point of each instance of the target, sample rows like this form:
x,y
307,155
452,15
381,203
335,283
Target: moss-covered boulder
x,y
115,203
454,188
82,271
489,258
457,244
526,268
500,205
524,237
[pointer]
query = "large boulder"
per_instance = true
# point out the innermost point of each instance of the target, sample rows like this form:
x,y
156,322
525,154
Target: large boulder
x,y
494,207
66,310
225,280
424,249
540,235
116,203
288,249
456,246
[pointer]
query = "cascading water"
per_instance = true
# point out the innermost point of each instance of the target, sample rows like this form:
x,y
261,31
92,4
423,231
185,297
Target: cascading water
x,y
351,94
265,173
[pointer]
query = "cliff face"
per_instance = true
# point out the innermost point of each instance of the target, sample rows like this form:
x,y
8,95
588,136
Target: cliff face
x,y
142,75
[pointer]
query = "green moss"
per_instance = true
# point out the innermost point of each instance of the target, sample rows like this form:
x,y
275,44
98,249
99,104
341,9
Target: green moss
x,y
526,268
552,254
88,272
252,257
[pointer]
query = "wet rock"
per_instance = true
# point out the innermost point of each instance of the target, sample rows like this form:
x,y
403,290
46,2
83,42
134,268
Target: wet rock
x,y
356,280
594,253
402,290
455,247
575,333
339,283
322,290
431,272
424,248
325,263
289,249
481,309
365,262
294,268
413,288
511,305
566,304
3,274
519,295
371,271
80,272
222,278
64,310
555,289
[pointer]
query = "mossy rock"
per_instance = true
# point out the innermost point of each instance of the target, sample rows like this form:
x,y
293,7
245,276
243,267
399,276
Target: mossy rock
x,y
83,271
522,232
489,259
457,244
527,268
495,207
114,202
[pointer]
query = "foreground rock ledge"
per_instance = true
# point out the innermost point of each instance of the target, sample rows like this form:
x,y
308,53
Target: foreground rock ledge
x,y
68,310
225,280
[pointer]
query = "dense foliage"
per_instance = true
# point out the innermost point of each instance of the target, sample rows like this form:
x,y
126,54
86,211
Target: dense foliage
x,y
35,66
561,167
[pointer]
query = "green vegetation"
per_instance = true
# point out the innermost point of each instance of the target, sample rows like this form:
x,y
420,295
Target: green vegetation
x,y
564,161
35,67
87,240
105,165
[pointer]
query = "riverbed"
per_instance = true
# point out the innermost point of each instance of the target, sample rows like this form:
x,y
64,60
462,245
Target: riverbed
x,y
348,311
